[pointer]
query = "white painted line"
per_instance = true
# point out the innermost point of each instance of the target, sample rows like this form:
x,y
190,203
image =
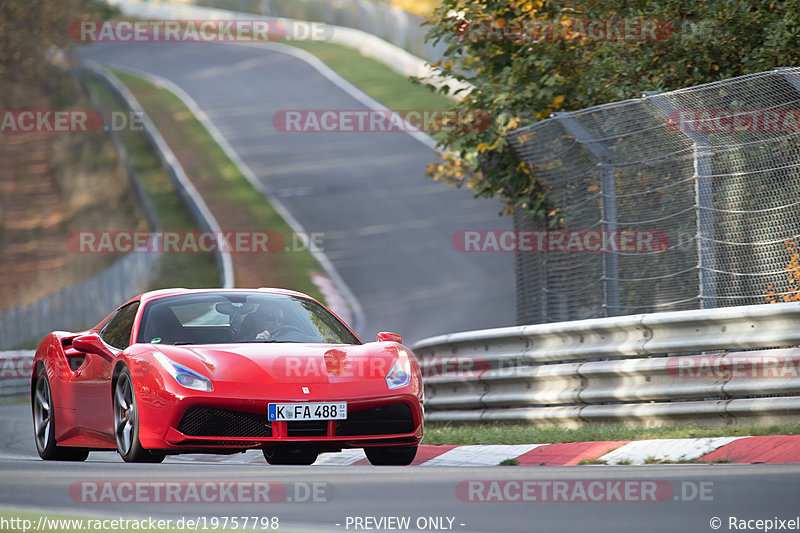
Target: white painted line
x,y
480,455
335,301
637,452
353,91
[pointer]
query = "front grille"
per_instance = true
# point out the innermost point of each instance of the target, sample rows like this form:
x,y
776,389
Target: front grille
x,y
210,422
384,420
311,428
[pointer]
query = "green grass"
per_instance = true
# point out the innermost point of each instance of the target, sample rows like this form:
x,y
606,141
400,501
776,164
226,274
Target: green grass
x,y
494,433
23,399
592,462
225,189
383,84
177,270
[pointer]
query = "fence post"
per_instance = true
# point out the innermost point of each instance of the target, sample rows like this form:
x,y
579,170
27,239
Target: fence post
x,y
608,190
704,202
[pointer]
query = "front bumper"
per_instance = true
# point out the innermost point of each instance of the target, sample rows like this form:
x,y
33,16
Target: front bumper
x,y
212,423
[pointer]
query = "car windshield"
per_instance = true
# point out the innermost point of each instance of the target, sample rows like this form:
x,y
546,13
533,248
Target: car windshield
x,y
235,317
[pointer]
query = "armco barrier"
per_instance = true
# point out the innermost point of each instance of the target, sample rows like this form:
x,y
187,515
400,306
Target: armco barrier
x,y
189,196
621,370
84,304
387,34
15,373
79,306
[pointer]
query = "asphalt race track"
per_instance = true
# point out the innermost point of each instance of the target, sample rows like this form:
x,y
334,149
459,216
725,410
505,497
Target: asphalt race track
x,y
388,232
388,229
698,493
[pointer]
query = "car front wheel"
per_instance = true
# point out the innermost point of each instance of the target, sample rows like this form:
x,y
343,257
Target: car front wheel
x,y
126,424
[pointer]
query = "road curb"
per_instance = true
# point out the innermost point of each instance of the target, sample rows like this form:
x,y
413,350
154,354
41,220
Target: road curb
x,y
742,450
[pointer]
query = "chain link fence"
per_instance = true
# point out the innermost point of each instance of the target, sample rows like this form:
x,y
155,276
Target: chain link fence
x,y
715,167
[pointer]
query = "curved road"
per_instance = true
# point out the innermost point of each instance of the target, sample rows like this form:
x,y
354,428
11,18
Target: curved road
x,y
388,228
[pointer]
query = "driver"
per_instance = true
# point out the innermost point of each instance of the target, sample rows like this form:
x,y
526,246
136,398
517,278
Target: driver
x,y
267,320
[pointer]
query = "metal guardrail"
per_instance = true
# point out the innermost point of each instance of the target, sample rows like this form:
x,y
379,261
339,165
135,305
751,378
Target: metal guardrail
x,y
391,24
84,304
189,196
382,32
626,370
633,370
15,373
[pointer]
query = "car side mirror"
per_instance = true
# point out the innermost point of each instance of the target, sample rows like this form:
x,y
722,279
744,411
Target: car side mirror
x,y
388,336
91,343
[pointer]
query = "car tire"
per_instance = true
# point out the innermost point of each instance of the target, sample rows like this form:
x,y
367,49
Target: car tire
x,y
391,455
44,424
126,423
280,455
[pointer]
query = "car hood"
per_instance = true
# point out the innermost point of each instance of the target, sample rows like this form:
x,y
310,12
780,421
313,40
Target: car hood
x,y
287,362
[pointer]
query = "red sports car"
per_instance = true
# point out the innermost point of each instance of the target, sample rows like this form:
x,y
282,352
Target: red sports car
x,y
222,371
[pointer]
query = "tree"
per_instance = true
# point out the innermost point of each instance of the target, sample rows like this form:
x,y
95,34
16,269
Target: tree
x,y
527,59
33,36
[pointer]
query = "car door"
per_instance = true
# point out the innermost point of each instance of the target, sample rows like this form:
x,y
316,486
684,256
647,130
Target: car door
x,y
92,383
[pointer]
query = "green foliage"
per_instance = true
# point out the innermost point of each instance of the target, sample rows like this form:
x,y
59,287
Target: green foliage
x,y
518,82
33,38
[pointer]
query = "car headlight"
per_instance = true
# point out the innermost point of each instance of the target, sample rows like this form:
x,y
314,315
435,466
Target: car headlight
x,y
184,376
400,374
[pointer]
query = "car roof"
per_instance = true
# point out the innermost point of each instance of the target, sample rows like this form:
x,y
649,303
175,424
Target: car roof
x,y
161,293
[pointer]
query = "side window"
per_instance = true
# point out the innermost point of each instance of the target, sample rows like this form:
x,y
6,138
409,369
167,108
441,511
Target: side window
x,y
117,332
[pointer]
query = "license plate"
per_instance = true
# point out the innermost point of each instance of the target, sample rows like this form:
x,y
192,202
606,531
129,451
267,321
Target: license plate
x,y
307,411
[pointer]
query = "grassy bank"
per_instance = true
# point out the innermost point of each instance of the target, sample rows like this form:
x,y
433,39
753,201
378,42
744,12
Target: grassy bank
x,y
494,433
232,199
377,80
177,270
